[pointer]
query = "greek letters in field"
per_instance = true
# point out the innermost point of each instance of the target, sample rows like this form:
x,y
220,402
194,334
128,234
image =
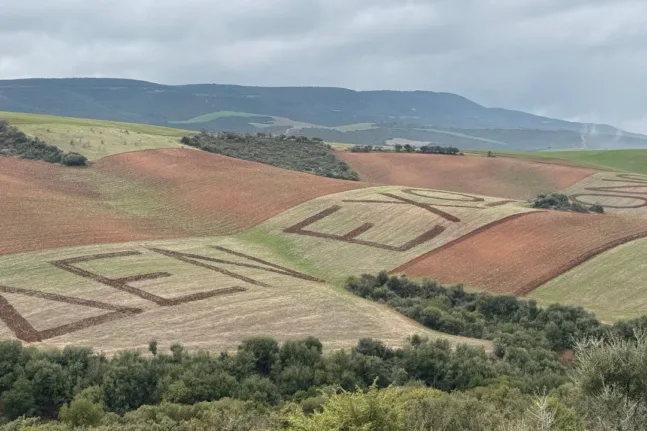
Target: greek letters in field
x,y
431,233
25,331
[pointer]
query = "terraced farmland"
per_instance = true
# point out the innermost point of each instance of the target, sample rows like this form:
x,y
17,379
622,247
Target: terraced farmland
x,y
499,176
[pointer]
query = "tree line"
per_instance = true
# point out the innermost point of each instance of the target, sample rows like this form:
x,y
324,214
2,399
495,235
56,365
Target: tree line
x,y
407,148
13,142
298,153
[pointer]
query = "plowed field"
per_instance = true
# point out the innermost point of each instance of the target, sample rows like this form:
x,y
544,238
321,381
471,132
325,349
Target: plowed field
x,y
517,256
144,195
498,176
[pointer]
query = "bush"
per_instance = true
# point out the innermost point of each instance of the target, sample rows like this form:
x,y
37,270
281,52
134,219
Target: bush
x,y
74,159
561,202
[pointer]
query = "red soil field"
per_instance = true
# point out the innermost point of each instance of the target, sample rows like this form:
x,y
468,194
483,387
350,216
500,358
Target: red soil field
x,y
185,193
499,176
526,251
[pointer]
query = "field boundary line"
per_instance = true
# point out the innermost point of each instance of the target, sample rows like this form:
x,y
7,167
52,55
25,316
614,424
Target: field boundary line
x,y
465,237
530,287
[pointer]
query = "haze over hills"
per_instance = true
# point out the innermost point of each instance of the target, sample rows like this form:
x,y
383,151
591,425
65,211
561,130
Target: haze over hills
x,y
333,114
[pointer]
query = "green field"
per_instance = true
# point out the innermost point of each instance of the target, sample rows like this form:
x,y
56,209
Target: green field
x,y
214,116
95,138
612,285
617,160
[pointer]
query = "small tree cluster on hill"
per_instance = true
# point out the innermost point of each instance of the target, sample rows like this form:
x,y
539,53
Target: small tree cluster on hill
x,y
13,142
561,202
426,149
298,153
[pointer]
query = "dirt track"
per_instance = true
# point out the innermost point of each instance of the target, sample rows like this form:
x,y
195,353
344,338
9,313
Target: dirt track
x,y
144,195
500,176
519,255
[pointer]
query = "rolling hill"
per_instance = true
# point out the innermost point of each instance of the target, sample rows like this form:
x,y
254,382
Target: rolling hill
x,y
153,240
334,114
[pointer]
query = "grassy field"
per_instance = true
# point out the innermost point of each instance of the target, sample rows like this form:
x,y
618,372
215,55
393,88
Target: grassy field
x,y
205,297
617,160
94,138
214,116
612,285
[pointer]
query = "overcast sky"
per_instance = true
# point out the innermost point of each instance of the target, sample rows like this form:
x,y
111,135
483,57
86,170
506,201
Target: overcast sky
x,y
583,60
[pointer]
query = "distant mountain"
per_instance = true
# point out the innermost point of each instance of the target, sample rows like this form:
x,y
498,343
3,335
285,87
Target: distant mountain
x,y
334,114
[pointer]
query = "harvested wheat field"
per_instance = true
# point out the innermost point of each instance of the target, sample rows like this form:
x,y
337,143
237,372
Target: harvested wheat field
x,y
612,284
524,252
499,176
144,195
619,193
205,293
377,228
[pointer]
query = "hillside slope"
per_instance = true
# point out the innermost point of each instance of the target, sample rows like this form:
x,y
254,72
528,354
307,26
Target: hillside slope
x,y
143,195
296,109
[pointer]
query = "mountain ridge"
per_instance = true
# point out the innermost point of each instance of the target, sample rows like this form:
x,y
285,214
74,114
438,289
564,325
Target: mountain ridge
x,y
307,110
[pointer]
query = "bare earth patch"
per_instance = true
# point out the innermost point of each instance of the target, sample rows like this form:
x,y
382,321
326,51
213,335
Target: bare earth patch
x,y
524,252
498,176
144,195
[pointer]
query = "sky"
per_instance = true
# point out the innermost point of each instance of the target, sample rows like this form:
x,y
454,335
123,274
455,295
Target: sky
x,y
580,60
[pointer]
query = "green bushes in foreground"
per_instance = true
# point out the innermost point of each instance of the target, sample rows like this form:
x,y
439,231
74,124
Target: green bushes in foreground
x,y
13,142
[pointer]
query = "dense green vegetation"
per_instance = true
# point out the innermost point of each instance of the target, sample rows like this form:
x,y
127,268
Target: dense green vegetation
x,y
561,202
13,142
297,153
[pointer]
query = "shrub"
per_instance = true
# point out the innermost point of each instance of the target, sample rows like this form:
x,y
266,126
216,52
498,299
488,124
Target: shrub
x,y
74,159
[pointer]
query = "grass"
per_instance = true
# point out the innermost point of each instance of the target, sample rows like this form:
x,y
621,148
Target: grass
x,y
616,160
95,139
288,308
212,116
612,285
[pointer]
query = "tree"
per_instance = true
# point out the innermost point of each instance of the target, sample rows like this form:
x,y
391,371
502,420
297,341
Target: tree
x,y
19,400
74,159
408,148
398,148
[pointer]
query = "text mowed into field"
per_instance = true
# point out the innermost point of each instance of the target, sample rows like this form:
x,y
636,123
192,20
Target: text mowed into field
x,y
498,176
144,195
519,255
372,229
619,193
204,293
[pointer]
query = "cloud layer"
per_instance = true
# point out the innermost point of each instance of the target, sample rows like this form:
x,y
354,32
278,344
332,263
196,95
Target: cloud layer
x,y
583,60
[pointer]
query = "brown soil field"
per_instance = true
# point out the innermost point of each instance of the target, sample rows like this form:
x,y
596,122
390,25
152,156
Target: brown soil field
x,y
525,251
144,195
499,176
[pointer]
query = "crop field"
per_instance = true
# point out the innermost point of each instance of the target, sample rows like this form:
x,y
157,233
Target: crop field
x,y
144,195
521,254
619,193
93,138
205,293
499,176
371,229
612,285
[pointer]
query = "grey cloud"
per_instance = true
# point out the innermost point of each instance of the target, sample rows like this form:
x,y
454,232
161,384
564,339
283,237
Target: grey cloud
x,y
573,59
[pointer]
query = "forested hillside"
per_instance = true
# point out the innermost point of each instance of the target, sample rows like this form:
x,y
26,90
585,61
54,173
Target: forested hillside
x,y
334,114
